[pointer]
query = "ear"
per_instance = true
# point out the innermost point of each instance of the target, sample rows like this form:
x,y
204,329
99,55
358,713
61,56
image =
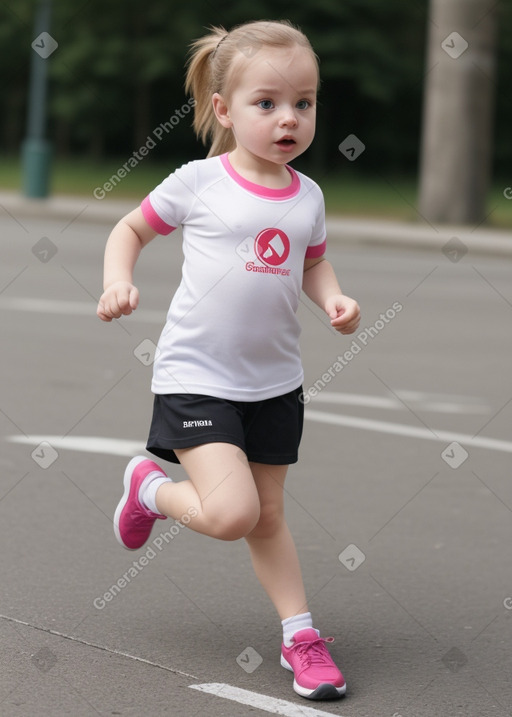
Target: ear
x,y
221,110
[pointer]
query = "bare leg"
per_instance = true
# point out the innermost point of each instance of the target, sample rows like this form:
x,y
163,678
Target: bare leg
x,y
220,496
273,552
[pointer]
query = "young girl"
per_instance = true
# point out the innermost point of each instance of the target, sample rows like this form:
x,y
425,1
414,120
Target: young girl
x,y
227,375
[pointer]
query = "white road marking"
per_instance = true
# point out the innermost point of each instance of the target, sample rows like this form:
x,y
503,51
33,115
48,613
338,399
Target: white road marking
x,y
85,444
400,429
419,401
127,448
261,702
427,396
73,308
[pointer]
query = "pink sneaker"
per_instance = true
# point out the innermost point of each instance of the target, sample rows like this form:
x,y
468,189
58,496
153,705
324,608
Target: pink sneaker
x,y
132,521
315,674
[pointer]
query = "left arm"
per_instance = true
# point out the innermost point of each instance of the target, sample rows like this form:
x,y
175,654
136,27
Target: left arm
x,y
320,284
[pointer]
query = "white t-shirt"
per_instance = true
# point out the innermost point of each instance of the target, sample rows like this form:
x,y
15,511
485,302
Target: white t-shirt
x,y
231,329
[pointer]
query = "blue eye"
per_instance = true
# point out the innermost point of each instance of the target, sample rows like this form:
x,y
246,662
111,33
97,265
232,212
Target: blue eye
x,y
303,104
266,104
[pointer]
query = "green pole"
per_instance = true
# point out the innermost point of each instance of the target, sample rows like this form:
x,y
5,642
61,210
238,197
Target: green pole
x,y
36,151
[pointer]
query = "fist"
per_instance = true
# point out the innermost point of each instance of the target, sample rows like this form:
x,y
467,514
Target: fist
x,y
119,299
344,313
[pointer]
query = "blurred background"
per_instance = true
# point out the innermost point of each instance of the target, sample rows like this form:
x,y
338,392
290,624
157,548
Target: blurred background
x,y
433,116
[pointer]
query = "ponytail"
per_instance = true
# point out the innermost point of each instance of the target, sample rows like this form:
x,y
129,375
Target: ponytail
x,y
200,84
211,68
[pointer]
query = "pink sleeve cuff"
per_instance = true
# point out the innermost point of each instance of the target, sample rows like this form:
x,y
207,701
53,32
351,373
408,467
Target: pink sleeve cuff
x,y
313,252
154,220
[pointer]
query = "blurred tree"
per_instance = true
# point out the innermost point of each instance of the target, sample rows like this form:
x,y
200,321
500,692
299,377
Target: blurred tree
x,y
459,101
16,22
118,71
119,68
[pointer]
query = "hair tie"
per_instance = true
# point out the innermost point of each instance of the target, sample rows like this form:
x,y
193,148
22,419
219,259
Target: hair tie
x,y
220,43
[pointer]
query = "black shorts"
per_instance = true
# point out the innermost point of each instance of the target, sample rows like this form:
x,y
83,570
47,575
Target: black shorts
x,y
267,431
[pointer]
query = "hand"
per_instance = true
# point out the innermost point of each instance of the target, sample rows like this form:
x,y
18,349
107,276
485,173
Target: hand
x,y
344,313
121,298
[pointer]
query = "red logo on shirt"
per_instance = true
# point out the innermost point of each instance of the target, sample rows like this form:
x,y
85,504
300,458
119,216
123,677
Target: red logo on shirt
x,y
272,247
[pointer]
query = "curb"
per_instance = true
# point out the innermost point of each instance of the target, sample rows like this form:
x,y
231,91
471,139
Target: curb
x,y
66,208
454,241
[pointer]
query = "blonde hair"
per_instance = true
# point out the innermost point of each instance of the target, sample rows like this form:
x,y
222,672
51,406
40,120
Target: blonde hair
x,y
211,69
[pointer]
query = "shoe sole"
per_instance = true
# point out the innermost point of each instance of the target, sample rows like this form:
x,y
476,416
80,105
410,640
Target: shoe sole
x,y
324,691
127,483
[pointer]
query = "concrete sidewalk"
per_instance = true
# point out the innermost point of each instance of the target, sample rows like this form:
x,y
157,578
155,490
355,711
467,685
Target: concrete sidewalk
x,y
453,240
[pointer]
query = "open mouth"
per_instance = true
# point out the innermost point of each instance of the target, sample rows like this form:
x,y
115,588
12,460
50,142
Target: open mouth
x,y
286,142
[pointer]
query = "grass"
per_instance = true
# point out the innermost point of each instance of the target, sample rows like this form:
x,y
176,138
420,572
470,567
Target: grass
x,y
390,198
80,176
397,198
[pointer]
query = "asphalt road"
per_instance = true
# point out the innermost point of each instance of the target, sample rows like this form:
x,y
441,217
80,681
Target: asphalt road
x,y
401,503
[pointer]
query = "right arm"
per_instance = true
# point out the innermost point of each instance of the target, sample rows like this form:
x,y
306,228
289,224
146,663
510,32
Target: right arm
x,y
126,241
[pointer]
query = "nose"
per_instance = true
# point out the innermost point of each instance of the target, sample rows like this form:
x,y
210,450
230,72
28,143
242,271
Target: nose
x,y
288,117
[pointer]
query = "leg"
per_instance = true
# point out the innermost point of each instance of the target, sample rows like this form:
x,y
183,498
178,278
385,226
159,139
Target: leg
x,y
273,552
275,561
220,492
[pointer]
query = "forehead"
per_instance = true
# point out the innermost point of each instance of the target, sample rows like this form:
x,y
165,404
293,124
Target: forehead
x,y
276,67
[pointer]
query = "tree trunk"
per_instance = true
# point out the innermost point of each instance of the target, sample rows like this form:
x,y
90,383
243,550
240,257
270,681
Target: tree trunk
x,y
458,111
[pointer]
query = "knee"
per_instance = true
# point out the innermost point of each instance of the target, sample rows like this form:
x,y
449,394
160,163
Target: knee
x,y
269,522
235,523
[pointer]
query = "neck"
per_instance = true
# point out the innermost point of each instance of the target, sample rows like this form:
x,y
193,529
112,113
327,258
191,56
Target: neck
x,y
258,170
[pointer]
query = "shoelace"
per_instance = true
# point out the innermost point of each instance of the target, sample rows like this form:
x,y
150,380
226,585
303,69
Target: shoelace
x,y
314,652
140,517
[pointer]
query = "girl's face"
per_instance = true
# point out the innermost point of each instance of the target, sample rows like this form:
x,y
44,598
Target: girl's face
x,y
272,107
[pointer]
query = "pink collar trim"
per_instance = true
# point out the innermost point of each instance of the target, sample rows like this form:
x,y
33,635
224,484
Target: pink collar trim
x,y
258,189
